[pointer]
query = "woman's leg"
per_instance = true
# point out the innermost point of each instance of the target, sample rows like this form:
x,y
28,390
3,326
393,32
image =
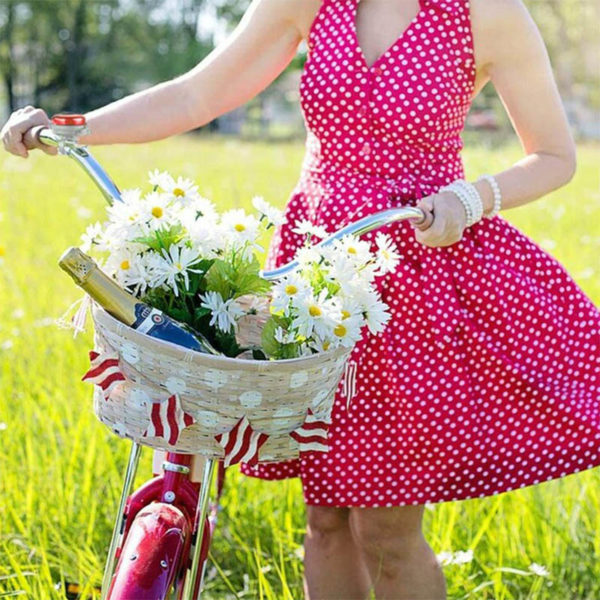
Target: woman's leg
x,y
333,567
401,564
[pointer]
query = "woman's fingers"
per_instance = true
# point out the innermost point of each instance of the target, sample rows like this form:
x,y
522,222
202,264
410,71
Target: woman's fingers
x,y
21,121
14,142
426,205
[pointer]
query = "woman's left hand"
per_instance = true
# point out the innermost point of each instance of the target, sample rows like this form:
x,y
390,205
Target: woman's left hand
x,y
449,220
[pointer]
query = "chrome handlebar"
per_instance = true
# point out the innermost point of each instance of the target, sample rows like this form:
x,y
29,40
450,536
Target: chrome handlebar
x,y
368,223
61,137
69,147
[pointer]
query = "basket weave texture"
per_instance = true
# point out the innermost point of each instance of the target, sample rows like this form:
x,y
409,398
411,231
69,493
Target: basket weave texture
x,y
275,396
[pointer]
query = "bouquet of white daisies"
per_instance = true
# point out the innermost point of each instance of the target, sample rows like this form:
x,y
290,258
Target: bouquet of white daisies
x,y
171,248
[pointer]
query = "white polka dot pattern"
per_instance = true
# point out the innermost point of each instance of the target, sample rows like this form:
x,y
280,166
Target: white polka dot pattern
x,y
487,376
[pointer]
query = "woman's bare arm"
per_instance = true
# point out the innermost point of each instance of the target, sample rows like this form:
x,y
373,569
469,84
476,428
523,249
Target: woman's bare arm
x,y
514,57
259,48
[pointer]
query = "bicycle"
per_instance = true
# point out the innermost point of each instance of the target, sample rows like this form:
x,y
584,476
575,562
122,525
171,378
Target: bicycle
x,y
163,529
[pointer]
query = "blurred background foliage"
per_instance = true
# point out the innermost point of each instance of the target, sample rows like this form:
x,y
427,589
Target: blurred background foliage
x,y
77,55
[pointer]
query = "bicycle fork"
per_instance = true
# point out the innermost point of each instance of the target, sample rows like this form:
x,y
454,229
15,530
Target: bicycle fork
x,y
171,512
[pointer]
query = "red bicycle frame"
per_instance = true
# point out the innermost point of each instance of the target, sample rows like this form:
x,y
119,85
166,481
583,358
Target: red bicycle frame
x,y
162,532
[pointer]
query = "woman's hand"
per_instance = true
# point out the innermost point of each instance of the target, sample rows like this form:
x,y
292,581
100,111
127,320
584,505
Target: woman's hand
x,y
21,121
449,220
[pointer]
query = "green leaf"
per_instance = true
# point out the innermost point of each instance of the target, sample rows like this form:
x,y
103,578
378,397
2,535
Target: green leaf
x,y
227,343
268,342
219,278
236,278
271,346
162,238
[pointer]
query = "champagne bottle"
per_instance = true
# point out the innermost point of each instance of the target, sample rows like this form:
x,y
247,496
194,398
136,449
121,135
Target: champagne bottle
x,y
127,308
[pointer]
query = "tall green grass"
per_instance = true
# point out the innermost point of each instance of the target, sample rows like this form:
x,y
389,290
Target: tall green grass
x,y
61,470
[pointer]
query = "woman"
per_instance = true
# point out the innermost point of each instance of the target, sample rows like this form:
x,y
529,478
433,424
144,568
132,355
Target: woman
x,y
486,378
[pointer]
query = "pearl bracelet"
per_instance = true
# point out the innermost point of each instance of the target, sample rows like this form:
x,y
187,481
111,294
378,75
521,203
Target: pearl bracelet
x,y
476,201
497,195
469,196
464,200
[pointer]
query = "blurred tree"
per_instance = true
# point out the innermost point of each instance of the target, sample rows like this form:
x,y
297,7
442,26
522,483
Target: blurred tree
x,y
77,55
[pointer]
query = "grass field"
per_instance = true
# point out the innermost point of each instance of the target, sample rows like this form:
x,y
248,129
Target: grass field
x,y
61,469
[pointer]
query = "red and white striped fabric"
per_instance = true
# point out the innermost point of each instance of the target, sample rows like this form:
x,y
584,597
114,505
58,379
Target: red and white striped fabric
x,y
242,443
312,434
349,381
168,420
104,371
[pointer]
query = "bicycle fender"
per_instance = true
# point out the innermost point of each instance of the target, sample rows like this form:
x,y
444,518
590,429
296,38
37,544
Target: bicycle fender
x,y
151,554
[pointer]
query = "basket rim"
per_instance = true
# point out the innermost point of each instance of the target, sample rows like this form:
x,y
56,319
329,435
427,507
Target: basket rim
x,y
99,315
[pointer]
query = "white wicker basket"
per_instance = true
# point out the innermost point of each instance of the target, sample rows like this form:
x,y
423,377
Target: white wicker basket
x,y
217,391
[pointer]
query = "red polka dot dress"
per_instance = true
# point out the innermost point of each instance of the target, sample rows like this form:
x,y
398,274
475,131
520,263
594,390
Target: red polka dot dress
x,y
487,376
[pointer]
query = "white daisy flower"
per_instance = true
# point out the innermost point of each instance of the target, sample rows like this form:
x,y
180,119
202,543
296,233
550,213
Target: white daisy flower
x,y
350,308
287,288
341,270
375,311
444,558
317,314
272,215
139,272
347,331
539,570
224,313
92,235
359,251
206,235
305,227
130,210
239,226
202,207
181,190
178,260
307,255
162,179
320,344
387,253
157,210
118,263
462,557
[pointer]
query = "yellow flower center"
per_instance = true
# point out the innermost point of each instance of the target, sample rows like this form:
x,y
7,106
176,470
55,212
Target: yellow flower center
x,y
157,212
326,345
351,250
240,227
385,254
345,314
178,192
340,330
314,311
290,289
179,266
125,265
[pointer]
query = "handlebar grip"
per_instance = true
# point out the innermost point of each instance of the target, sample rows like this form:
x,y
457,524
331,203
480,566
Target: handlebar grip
x,y
31,137
425,222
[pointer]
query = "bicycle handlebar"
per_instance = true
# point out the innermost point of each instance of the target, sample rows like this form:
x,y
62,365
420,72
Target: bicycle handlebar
x,y
66,128
68,145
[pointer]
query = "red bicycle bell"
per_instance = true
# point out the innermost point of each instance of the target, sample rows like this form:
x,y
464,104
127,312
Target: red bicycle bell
x,y
69,126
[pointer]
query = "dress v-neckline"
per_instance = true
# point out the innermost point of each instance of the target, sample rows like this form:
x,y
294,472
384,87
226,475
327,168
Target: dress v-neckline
x,y
409,27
